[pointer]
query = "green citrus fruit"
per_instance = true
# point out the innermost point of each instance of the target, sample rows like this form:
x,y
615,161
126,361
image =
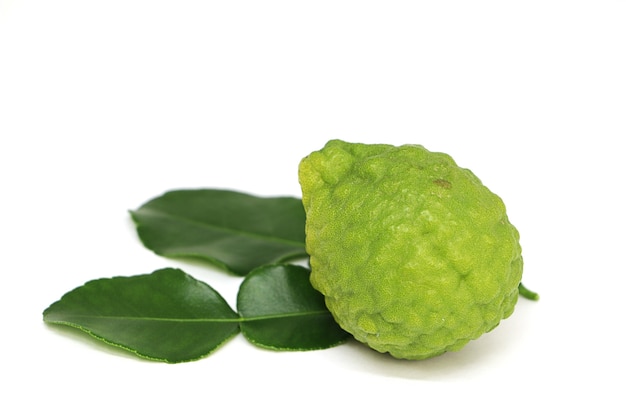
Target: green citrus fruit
x,y
414,255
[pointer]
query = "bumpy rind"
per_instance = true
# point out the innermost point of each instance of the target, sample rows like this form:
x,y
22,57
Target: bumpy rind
x,y
414,255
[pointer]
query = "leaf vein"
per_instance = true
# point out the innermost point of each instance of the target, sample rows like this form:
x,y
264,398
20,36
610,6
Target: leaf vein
x,y
163,214
69,318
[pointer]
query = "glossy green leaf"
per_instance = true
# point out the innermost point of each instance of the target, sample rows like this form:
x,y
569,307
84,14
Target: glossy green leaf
x,y
233,230
166,315
282,311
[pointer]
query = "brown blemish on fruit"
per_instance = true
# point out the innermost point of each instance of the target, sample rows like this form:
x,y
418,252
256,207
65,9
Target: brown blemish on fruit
x,y
443,183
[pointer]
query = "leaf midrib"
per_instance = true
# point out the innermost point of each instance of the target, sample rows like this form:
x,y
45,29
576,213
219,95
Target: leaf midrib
x,y
156,213
238,319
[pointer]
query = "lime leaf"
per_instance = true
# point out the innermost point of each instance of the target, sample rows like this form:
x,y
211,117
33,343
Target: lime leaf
x,y
281,310
166,315
233,230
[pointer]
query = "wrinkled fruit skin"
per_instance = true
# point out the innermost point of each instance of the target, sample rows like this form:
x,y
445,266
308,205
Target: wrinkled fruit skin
x,y
413,254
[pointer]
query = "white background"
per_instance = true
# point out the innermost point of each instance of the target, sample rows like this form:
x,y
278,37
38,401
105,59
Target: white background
x,y
107,104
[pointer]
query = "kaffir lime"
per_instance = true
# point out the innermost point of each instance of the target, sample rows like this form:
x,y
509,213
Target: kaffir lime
x,y
414,255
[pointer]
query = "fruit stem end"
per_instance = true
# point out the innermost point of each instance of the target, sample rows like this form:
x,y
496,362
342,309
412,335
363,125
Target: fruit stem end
x,y
526,293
